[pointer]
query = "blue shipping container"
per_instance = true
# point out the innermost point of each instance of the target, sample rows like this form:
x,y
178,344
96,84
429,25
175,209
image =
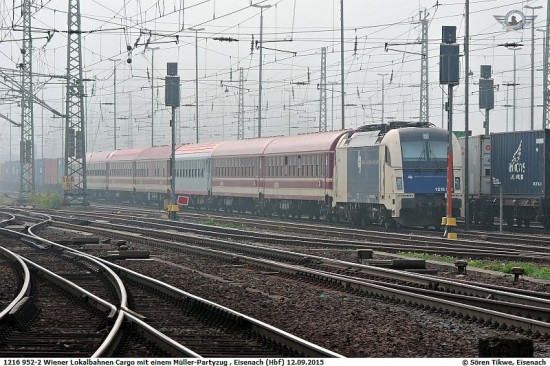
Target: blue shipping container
x,y
518,163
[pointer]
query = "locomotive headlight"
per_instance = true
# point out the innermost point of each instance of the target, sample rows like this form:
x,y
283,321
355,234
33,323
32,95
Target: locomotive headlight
x,y
457,183
399,183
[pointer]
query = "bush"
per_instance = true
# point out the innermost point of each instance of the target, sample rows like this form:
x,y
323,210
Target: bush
x,y
52,201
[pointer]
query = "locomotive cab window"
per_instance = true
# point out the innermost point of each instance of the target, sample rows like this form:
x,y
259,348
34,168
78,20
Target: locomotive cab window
x,y
388,156
425,154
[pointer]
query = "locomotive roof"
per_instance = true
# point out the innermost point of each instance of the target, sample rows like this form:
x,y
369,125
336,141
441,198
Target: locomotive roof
x,y
324,141
243,147
360,139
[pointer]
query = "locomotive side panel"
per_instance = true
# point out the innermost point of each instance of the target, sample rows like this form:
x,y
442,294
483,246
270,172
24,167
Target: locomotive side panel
x,y
363,174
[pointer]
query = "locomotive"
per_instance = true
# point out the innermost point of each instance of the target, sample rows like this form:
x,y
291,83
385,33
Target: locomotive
x,y
390,174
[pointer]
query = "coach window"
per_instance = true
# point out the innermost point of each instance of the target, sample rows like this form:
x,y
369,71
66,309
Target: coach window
x,y
388,156
316,165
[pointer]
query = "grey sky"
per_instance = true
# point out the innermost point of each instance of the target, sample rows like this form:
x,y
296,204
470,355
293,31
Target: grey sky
x,y
300,26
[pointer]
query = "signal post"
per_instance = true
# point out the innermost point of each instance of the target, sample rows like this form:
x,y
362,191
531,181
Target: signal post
x,y
172,99
449,75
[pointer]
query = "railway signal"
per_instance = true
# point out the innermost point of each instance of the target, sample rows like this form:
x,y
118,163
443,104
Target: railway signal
x,y
449,74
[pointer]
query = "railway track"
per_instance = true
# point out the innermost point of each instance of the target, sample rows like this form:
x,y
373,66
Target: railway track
x,y
189,319
533,235
312,235
51,317
473,302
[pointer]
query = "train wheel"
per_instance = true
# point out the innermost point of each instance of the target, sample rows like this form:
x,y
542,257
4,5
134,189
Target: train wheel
x,y
527,222
509,221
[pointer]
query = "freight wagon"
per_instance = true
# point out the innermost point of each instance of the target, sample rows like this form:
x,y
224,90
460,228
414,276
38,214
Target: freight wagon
x,y
516,163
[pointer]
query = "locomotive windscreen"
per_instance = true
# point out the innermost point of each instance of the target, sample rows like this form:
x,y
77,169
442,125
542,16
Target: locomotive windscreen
x,y
424,154
423,150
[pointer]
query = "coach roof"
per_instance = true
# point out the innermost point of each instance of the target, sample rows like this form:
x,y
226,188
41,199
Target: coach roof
x,y
314,142
252,147
125,154
155,153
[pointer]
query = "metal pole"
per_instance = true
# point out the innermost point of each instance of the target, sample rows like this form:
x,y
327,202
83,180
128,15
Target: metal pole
x,y
42,128
545,75
533,8
442,108
546,91
467,113
262,7
507,106
383,94
450,155
289,95
197,87
10,139
114,105
261,63
173,164
342,58
383,77
486,128
514,94
533,72
152,97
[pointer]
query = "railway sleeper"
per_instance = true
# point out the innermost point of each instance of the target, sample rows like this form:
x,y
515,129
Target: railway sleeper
x,y
24,313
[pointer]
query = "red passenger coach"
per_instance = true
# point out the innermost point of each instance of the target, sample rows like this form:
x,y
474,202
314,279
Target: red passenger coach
x,y
237,174
300,166
96,170
298,174
152,173
290,175
121,178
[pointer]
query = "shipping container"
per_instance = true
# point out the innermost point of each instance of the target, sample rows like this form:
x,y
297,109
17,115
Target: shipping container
x,y
51,173
518,163
39,171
